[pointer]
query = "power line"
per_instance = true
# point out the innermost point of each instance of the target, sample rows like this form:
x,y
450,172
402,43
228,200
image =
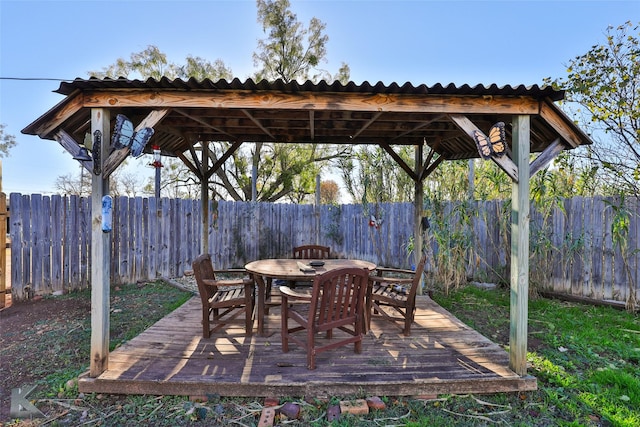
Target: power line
x,y
36,79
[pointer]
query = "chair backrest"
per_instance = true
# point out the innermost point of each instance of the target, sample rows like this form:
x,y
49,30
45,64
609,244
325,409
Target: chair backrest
x,y
203,270
338,297
416,279
311,252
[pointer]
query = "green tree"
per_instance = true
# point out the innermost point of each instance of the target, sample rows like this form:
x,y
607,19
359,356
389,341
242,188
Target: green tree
x,y
284,171
371,175
7,141
153,63
329,192
291,51
603,92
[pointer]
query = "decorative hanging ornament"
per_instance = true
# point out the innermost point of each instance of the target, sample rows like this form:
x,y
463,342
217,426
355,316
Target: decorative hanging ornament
x,y
156,157
373,222
125,136
95,151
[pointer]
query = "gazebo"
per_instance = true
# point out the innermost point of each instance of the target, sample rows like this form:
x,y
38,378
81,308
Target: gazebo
x,y
438,121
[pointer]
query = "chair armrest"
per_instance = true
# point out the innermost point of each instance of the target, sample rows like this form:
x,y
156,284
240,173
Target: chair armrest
x,y
382,279
210,282
228,282
232,271
233,282
290,293
394,270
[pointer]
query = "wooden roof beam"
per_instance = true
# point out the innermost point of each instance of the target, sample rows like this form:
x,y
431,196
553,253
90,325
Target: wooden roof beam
x,y
402,103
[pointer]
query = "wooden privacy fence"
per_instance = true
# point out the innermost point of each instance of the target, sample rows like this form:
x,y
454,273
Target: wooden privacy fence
x,y
3,249
573,248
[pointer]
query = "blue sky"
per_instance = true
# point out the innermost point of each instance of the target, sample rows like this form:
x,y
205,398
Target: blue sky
x,y
472,42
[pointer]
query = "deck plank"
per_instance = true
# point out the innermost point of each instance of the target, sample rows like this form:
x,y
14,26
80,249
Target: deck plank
x,y
443,355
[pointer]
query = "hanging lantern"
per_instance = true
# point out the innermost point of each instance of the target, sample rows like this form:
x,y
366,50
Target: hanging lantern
x,y
156,157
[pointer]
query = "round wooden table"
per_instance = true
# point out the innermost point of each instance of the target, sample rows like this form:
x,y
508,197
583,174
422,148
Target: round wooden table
x,y
289,269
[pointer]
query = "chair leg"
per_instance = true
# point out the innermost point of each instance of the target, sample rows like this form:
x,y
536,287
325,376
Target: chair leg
x,y
284,327
359,327
408,320
248,320
267,295
311,349
206,329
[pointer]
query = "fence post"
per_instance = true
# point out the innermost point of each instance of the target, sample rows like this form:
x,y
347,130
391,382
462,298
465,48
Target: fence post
x,y
3,249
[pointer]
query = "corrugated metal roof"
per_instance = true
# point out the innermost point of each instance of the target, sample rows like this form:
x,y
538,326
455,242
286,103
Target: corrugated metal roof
x,y
535,91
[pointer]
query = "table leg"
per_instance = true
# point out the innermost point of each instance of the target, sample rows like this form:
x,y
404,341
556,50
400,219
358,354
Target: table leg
x,y
261,302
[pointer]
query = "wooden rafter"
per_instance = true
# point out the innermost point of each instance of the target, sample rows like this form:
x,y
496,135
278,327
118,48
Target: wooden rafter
x,y
554,116
73,104
366,125
203,123
257,123
418,127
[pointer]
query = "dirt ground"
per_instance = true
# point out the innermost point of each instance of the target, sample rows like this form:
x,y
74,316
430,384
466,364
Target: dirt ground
x,y
25,354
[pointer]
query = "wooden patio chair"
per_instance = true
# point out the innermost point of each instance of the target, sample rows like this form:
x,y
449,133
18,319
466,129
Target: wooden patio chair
x,y
336,301
311,252
223,300
396,289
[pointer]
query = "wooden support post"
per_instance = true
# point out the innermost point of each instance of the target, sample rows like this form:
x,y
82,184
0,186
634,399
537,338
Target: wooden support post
x,y
520,247
204,198
100,254
417,208
316,210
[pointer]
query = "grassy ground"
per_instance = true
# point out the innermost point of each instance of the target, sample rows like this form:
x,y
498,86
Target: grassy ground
x,y
586,360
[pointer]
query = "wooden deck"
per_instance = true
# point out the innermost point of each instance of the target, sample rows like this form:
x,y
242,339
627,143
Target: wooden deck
x,y
442,355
